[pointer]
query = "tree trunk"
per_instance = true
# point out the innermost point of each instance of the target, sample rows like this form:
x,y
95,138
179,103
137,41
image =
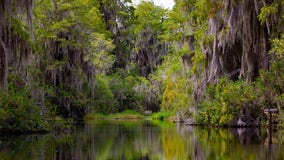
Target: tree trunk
x,y
3,65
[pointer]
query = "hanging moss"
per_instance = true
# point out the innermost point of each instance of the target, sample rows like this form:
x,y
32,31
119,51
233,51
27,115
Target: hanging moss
x,y
15,31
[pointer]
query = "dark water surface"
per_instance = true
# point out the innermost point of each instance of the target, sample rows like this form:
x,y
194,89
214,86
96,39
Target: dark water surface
x,y
143,140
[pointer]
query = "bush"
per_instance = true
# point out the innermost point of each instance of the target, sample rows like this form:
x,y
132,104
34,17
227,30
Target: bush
x,y
227,101
18,113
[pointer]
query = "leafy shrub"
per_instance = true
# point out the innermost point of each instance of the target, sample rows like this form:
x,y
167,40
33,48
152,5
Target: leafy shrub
x,y
18,113
227,101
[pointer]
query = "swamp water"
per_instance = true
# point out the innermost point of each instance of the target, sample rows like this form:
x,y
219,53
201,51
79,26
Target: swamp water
x,y
143,140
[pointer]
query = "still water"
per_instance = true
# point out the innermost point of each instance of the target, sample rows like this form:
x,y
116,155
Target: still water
x,y
143,140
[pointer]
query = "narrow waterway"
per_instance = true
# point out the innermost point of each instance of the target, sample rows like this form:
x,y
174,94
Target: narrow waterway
x,y
131,140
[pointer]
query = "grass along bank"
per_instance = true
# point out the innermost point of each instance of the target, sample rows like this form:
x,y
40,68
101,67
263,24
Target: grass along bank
x,y
130,114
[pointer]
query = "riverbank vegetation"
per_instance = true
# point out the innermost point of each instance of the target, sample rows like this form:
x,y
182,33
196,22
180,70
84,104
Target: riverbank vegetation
x,y
131,115
125,115
216,62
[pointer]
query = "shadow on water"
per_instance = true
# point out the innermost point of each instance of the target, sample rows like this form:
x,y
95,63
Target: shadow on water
x,y
144,140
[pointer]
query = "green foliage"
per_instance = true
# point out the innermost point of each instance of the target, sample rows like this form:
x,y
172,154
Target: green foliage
x,y
265,92
125,115
91,116
132,92
279,100
59,125
172,82
99,54
104,101
277,47
78,41
149,15
272,81
76,13
20,29
267,11
270,84
161,115
122,92
175,95
83,22
18,112
187,22
74,46
226,101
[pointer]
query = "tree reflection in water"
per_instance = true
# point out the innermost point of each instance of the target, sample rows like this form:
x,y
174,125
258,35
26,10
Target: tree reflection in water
x,y
143,140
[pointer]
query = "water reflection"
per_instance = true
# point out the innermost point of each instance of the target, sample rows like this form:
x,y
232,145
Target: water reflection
x,y
143,140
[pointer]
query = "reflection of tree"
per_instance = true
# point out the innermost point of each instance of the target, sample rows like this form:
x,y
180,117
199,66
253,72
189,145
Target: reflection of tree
x,y
122,140
233,144
33,147
174,145
220,144
144,140
247,135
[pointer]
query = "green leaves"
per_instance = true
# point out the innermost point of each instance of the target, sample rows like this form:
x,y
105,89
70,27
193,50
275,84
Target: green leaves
x,y
149,15
75,47
18,112
266,11
104,100
227,101
99,54
278,47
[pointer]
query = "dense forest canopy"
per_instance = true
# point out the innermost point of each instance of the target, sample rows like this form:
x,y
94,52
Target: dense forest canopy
x,y
218,62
